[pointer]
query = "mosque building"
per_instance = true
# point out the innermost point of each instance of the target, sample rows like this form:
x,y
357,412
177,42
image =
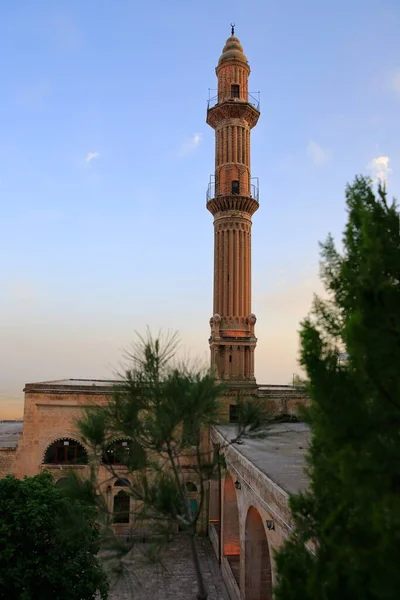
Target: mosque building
x,y
248,510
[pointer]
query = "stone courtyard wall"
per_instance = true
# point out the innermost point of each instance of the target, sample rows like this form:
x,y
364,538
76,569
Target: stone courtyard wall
x,y
7,461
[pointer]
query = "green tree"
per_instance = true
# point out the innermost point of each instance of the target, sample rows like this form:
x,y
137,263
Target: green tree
x,y
166,409
48,543
350,516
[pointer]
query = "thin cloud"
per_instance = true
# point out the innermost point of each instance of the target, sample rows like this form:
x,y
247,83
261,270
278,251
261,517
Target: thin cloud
x,y
380,168
189,145
91,155
317,153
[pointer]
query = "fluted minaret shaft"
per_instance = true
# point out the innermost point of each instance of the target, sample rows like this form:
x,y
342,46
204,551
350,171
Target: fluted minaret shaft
x,y
232,200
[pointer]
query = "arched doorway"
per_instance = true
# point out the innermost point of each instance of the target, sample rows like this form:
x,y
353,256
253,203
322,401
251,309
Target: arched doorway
x,y
121,507
258,576
230,529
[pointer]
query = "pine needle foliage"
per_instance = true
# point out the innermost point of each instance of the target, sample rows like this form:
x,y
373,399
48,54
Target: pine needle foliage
x,y
165,409
350,516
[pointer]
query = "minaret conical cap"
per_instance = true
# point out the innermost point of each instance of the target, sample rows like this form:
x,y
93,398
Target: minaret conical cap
x,y
233,50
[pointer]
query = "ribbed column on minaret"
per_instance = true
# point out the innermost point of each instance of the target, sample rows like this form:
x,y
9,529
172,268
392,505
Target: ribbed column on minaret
x,y
232,200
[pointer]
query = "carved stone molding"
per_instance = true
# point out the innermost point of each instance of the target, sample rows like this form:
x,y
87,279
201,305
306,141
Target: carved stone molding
x,y
228,225
233,110
221,204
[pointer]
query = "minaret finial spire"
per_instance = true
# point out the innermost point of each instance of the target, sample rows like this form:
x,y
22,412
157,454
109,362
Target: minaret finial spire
x,y
232,28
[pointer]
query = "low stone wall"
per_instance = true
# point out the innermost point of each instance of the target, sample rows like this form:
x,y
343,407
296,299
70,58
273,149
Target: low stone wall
x,y
214,538
7,461
259,488
229,580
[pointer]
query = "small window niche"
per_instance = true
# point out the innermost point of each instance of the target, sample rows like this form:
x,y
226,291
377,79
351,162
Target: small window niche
x,y
235,91
233,413
235,187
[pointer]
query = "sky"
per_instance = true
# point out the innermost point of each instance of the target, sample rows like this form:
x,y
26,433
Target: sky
x,y
105,158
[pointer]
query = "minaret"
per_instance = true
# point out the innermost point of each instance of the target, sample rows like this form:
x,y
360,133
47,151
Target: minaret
x,y
232,199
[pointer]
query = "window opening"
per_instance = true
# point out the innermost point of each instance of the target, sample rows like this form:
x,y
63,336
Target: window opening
x,y
122,482
121,507
125,453
191,487
67,452
233,413
235,91
235,187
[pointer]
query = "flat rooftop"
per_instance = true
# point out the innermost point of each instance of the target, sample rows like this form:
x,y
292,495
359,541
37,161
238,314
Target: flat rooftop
x,y
280,454
10,432
88,384
73,385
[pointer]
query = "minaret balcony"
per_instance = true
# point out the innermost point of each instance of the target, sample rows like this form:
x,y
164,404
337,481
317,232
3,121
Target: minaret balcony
x,y
227,198
253,100
230,189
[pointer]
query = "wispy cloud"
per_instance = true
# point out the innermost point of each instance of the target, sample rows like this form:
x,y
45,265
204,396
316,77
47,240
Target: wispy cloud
x,y
190,144
91,155
317,153
380,167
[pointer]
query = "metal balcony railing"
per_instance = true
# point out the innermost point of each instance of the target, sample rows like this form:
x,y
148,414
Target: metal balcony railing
x,y
253,100
214,190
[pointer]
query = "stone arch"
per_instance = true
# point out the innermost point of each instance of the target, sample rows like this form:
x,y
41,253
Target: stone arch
x,y
65,451
121,482
258,573
230,527
190,486
62,482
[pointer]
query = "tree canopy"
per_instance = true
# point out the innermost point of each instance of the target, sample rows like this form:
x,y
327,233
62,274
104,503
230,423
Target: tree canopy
x,y
165,408
48,543
350,516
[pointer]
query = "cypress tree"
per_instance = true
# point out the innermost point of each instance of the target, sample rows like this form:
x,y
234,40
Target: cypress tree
x,y
346,542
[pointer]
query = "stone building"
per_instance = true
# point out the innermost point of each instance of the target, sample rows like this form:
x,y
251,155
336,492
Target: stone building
x,y
248,510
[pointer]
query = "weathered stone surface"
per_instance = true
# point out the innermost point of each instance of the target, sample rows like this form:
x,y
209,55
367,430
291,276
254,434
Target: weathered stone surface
x,y
174,579
280,454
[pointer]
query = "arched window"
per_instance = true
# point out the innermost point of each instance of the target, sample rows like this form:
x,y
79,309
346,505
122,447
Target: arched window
x,y
122,482
191,487
124,452
66,452
121,507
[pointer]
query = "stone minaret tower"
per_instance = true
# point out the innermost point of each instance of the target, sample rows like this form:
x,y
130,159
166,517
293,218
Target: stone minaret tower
x,y
232,199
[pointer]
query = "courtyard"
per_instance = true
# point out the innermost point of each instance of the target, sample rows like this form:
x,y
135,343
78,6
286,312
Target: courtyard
x,y
173,578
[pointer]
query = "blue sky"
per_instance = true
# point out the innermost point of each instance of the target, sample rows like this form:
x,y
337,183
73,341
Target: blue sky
x,y
105,158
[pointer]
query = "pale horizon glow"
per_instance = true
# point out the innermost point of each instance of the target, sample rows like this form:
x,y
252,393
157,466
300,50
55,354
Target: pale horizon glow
x,y
106,157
